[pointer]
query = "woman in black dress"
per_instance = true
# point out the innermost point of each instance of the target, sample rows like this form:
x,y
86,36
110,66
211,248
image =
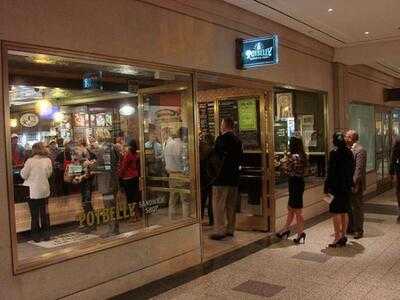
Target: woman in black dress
x,y
338,185
294,167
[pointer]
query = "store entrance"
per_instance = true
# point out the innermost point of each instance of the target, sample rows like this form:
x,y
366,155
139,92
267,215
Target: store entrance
x,y
249,109
166,138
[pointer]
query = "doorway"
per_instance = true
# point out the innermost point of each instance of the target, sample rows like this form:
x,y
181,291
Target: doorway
x,y
250,110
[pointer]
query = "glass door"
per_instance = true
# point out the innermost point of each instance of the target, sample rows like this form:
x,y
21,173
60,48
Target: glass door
x,y
167,152
383,120
248,113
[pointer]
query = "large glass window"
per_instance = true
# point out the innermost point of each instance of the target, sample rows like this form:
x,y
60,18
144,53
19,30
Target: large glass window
x,y
99,153
361,119
303,113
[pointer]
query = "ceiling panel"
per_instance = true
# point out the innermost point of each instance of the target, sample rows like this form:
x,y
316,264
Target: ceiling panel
x,y
345,25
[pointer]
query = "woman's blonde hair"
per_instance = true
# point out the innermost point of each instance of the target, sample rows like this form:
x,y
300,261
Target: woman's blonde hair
x,y
39,149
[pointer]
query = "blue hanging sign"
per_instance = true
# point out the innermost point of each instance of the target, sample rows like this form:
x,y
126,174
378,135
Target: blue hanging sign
x,y
257,52
92,81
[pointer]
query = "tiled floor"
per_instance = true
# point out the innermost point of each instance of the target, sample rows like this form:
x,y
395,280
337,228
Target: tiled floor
x,y
368,268
214,248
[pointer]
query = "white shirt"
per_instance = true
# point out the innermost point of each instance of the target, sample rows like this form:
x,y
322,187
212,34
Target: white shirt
x,y
173,155
36,172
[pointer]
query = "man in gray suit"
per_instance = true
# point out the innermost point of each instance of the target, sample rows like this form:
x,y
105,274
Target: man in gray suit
x,y
356,213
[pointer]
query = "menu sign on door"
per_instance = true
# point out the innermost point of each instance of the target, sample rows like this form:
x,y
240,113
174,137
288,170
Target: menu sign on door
x,y
257,52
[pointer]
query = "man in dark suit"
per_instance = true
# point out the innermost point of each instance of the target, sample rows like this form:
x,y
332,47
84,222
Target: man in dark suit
x,y
356,213
228,148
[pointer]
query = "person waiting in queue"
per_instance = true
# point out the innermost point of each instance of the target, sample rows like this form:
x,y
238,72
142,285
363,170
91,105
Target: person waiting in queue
x,y
108,158
338,185
17,151
177,167
229,149
86,160
356,212
36,173
205,148
129,171
295,166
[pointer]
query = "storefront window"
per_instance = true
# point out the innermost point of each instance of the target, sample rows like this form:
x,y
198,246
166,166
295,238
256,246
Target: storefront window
x,y
300,113
99,152
383,142
395,125
361,119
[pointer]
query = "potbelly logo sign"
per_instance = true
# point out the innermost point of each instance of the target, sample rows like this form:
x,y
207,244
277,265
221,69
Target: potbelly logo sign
x,y
257,52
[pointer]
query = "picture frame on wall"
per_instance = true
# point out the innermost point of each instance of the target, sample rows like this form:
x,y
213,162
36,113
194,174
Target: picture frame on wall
x,y
284,105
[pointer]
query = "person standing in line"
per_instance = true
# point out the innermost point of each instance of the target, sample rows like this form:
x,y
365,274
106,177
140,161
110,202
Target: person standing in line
x,y
177,168
86,159
205,147
129,171
36,173
229,149
295,166
17,151
338,186
395,170
108,158
356,213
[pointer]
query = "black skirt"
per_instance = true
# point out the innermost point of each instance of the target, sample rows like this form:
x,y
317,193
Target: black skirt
x,y
340,203
296,191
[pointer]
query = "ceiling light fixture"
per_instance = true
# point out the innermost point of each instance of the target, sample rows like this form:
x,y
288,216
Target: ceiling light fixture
x,y
330,10
127,110
13,123
366,33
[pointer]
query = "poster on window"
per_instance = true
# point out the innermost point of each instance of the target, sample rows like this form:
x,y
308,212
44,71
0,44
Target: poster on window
x,y
284,106
247,111
307,131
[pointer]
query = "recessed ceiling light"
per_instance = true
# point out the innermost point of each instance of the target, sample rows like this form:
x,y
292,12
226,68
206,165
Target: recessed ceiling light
x,y
330,10
366,33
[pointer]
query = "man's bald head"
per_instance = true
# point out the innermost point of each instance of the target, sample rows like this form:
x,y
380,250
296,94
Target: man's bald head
x,y
351,137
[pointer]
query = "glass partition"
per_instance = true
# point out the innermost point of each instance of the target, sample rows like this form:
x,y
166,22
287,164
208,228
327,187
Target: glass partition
x,y
303,113
89,153
361,119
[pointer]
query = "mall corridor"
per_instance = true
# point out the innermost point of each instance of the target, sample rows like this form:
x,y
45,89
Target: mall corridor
x,y
368,268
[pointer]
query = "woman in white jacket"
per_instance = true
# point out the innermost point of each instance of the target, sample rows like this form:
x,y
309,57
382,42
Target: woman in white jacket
x,y
36,172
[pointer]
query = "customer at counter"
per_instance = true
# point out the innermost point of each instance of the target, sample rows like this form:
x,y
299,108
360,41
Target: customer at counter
x,y
17,151
177,168
129,175
36,173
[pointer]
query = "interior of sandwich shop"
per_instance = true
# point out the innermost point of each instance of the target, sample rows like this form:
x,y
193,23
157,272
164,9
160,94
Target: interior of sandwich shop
x,y
86,117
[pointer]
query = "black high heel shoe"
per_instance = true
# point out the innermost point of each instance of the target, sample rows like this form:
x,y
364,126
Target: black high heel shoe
x,y
301,237
285,234
339,243
342,242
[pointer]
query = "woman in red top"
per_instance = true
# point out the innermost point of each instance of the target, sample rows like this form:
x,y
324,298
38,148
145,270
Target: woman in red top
x,y
129,174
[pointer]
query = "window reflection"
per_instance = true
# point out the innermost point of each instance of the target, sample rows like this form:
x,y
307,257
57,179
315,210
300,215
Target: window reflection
x,y
299,113
113,157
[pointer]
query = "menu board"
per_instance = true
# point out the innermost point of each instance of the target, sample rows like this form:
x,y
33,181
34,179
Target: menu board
x,y
207,122
245,116
281,137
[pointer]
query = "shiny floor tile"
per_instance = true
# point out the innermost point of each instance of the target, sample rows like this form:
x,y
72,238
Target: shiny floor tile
x,y
259,288
374,220
311,256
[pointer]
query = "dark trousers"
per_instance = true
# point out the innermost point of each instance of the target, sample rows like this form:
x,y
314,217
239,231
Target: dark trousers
x,y
206,193
131,189
39,211
356,212
86,188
